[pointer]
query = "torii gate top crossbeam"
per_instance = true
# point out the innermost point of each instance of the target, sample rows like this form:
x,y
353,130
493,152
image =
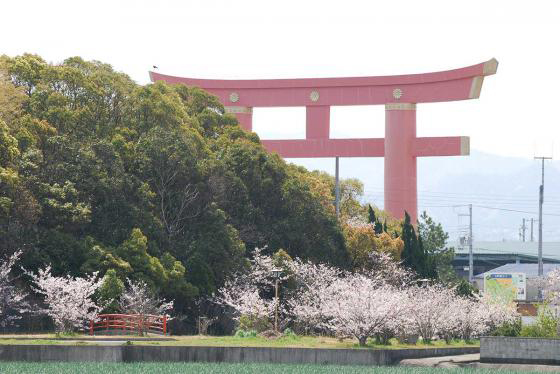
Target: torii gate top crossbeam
x,y
399,93
459,84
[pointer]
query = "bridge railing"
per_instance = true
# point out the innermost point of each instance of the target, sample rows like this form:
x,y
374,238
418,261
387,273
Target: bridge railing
x,y
128,323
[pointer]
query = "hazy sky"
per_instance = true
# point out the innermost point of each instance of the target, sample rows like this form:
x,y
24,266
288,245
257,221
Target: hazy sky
x,y
253,39
516,113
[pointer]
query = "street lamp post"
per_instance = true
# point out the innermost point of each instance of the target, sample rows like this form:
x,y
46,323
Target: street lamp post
x,y
276,273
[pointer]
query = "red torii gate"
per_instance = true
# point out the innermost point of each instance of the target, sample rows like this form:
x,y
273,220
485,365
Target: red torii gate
x,y
399,94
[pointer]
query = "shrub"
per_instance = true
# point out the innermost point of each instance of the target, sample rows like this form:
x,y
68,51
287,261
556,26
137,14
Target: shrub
x,y
240,333
508,329
545,327
252,322
289,333
531,331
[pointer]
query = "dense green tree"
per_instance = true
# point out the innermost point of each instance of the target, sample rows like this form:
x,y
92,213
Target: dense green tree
x,y
372,218
110,291
464,288
414,256
272,203
154,183
434,240
371,214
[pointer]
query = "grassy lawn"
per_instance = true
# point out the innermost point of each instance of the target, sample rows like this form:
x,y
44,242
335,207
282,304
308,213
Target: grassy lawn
x,y
109,368
234,341
292,342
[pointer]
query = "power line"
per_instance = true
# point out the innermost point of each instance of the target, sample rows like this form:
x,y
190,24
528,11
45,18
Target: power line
x,y
460,199
514,210
450,205
555,256
485,195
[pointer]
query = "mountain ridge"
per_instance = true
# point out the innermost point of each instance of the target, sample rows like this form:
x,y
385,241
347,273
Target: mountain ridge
x,y
447,184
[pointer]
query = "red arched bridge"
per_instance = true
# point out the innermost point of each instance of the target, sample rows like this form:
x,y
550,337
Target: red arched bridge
x,y
128,323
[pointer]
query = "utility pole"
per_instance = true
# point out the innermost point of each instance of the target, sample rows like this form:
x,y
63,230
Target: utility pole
x,y
523,228
541,200
277,273
471,262
276,306
336,190
532,238
467,239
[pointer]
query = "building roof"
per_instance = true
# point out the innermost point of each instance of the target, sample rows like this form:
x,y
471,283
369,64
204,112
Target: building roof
x,y
550,249
530,270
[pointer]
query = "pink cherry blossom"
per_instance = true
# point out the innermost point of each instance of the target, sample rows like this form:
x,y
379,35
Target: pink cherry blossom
x,y
13,303
68,299
385,301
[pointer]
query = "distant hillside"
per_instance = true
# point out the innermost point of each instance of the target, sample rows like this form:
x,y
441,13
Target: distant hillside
x,y
481,179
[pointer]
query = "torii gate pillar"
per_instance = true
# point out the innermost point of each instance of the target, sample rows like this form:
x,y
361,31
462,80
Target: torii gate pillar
x,y
400,160
399,94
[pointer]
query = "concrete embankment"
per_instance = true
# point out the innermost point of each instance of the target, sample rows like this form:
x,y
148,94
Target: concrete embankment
x,y
132,353
509,350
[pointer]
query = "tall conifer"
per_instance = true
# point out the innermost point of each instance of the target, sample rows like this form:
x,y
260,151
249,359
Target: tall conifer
x,y
413,255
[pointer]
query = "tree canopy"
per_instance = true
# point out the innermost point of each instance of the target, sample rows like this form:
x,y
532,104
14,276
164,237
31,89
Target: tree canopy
x,y
154,182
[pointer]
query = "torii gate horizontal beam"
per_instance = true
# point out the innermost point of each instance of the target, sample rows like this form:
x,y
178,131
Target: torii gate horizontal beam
x,y
458,84
365,147
399,94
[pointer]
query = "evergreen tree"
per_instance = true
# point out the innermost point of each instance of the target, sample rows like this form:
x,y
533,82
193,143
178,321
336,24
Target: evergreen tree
x,y
377,226
428,262
408,255
413,255
371,215
435,239
110,291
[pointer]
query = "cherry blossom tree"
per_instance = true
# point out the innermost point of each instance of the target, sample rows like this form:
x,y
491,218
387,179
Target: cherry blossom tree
x,y
451,316
551,287
13,303
496,312
243,293
247,303
463,318
313,283
359,306
402,325
68,299
472,317
260,273
384,301
426,306
139,299
348,304
387,270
